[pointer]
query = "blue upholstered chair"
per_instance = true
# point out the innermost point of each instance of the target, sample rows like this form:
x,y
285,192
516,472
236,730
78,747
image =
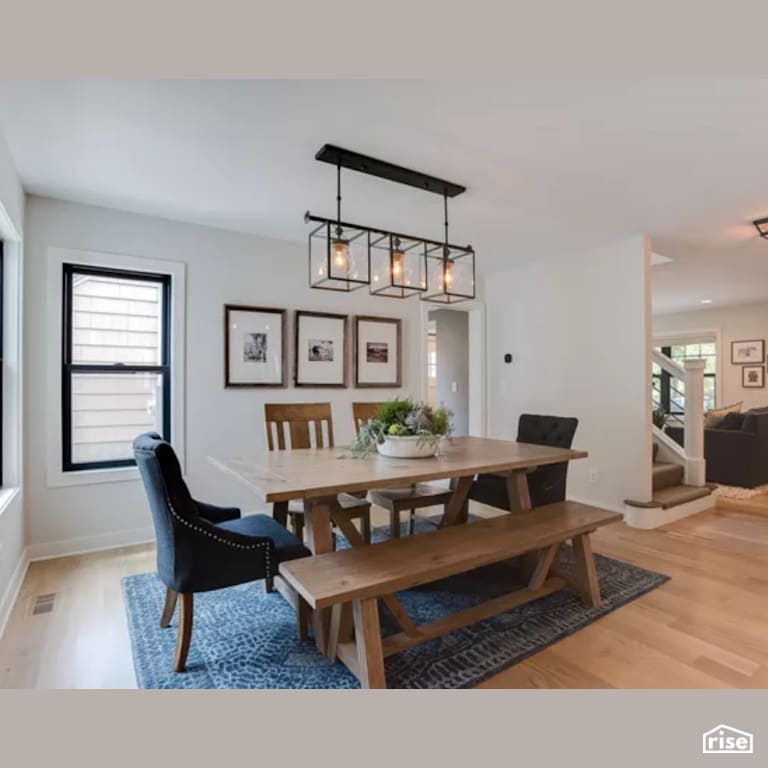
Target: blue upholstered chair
x,y
546,484
201,547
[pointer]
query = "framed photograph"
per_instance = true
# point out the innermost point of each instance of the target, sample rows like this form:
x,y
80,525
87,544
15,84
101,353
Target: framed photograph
x,y
378,342
320,350
254,346
753,376
751,351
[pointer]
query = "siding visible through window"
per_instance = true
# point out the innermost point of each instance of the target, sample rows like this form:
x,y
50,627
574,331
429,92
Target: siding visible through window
x,y
116,380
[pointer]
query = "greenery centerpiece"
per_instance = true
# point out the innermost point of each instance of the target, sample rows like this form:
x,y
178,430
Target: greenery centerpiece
x,y
659,416
403,428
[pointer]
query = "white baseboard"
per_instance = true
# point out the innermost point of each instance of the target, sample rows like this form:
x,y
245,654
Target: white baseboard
x,y
653,517
8,600
82,544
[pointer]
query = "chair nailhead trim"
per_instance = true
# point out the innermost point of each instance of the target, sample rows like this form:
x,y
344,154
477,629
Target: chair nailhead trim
x,y
213,536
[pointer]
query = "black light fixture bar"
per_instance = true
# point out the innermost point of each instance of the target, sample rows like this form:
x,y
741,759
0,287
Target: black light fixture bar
x,y
761,225
345,158
347,225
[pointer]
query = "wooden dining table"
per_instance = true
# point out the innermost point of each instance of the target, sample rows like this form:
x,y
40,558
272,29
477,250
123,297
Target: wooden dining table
x,y
316,476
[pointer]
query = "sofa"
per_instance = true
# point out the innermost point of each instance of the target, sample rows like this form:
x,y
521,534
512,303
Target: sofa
x,y
736,451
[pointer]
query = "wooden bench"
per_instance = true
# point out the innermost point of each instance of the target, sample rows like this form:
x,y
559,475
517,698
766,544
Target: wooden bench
x,y
361,575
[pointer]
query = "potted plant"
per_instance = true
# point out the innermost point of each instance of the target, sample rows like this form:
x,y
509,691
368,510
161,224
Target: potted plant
x,y
404,429
659,417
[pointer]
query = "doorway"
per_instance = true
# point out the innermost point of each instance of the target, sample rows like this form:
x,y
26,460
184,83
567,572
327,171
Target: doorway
x,y
448,364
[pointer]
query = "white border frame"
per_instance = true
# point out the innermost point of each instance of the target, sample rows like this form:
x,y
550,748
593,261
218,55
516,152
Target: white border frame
x,y
478,384
57,257
13,396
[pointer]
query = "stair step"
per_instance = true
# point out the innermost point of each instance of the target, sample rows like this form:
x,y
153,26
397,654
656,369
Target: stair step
x,y
667,475
679,494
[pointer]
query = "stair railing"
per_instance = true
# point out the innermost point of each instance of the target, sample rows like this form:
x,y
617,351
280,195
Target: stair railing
x,y
686,384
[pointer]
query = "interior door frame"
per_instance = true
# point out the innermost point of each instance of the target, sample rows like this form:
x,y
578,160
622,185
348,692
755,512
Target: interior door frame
x,y
478,385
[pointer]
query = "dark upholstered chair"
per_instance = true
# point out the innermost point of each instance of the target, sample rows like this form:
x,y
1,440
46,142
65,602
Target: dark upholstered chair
x,y
546,484
201,547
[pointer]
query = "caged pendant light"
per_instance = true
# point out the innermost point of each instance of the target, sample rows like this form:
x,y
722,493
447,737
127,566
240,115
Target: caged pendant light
x,y
344,256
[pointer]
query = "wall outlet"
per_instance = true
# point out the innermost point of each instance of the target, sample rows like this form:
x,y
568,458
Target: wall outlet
x,y
592,475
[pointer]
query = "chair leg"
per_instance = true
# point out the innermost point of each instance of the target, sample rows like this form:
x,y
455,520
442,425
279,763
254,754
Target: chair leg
x,y
170,607
280,512
269,584
303,616
411,521
185,632
394,522
365,526
298,527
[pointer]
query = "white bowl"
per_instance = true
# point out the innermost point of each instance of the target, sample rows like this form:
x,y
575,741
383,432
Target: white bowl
x,y
407,447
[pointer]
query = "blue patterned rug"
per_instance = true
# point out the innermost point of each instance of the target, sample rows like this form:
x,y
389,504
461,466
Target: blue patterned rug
x,y
245,638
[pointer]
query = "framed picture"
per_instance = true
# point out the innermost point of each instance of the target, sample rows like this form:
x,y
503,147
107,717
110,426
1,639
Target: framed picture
x,y
254,346
753,376
378,343
752,351
320,350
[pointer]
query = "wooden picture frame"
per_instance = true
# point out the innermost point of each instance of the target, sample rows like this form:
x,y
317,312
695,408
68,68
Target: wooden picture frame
x,y
753,377
748,352
320,350
378,348
255,346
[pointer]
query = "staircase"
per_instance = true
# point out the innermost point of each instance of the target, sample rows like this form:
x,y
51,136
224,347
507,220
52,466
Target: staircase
x,y
678,486
669,490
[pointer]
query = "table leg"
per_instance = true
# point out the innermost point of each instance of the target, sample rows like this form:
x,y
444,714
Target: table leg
x,y
317,513
454,511
520,501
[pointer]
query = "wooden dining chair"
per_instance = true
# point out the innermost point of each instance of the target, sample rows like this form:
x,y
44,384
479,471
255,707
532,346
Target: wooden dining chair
x,y
397,500
296,419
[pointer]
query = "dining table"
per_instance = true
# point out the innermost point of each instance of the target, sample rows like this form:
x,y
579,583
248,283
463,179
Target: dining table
x,y
316,477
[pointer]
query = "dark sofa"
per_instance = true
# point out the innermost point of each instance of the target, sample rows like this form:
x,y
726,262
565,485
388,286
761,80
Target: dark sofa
x,y
736,451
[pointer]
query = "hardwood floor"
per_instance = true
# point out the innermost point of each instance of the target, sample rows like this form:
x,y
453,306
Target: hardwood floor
x,y
706,628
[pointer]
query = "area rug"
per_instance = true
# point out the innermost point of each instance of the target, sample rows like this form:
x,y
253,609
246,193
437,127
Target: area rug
x,y
245,638
740,494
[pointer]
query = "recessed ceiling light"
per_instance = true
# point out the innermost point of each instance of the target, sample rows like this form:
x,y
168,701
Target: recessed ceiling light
x,y
706,301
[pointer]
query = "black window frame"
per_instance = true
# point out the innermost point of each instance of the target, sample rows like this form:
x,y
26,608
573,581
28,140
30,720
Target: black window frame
x,y
69,368
665,388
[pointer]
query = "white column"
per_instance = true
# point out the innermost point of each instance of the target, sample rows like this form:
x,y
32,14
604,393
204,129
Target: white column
x,y
695,471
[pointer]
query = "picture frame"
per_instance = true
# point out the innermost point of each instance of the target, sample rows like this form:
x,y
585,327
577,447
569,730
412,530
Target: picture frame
x,y
378,351
753,376
750,351
255,346
320,350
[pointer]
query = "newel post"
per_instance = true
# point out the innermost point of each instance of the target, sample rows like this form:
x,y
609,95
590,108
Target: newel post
x,y
695,471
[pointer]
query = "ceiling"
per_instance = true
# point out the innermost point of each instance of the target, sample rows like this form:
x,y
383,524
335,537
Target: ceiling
x,y
550,167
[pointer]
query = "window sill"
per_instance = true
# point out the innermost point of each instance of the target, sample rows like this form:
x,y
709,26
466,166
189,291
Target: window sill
x,y
7,495
92,477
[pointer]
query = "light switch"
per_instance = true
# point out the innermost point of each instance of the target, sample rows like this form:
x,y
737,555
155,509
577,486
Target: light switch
x,y
454,387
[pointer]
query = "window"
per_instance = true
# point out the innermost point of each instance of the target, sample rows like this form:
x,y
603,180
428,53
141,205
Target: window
x,y
116,364
671,395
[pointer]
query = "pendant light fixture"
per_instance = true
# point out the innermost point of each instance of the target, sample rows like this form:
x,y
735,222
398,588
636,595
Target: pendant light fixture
x,y
344,256
338,254
451,270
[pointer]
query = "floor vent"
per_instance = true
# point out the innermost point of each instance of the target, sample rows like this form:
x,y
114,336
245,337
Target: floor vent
x,y
43,604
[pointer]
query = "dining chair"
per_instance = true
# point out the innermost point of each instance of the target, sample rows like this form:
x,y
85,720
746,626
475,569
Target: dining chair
x,y
202,547
546,484
397,500
296,419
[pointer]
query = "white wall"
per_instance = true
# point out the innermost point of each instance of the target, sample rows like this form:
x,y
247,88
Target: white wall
x,y
222,267
578,328
12,514
749,321
452,329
